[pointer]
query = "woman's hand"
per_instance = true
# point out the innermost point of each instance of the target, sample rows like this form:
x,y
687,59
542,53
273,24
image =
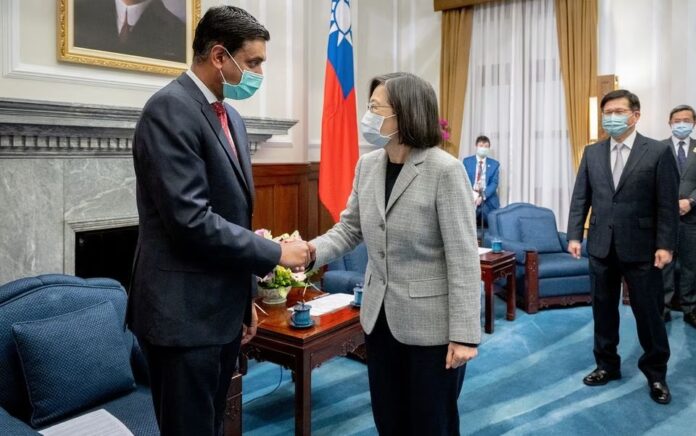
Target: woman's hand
x,y
458,355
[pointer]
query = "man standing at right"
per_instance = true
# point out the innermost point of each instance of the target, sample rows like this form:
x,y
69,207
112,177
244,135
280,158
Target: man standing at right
x,y
631,183
681,121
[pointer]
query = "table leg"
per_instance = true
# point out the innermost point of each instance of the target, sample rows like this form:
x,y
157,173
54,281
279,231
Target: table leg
x,y
511,295
303,396
488,288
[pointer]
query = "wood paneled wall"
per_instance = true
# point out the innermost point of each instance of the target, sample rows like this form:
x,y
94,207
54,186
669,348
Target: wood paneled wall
x,y
287,198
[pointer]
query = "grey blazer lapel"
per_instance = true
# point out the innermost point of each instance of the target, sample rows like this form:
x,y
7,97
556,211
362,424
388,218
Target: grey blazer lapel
x,y
640,146
380,180
407,174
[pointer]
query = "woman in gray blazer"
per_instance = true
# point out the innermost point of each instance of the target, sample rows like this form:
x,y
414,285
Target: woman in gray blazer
x,y
411,204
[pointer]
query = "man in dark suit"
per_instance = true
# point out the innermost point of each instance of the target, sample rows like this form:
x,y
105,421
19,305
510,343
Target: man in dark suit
x,y
190,299
631,183
483,175
133,27
681,121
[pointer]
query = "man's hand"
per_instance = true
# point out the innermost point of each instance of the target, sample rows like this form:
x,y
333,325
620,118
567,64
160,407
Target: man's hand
x,y
294,254
248,332
479,200
662,258
458,355
575,249
684,206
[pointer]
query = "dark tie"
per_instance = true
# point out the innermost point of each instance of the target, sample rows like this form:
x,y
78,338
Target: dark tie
x,y
222,116
681,156
125,29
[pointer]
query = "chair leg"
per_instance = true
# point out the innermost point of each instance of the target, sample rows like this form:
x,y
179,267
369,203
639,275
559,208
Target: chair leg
x,y
531,281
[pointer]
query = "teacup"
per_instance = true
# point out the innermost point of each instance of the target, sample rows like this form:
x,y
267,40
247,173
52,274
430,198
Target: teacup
x,y
357,295
300,316
496,246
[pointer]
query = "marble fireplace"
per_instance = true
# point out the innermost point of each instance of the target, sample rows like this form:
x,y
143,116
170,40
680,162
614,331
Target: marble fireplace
x,y
66,169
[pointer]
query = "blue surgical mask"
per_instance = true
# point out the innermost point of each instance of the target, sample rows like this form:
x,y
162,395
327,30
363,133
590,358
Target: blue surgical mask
x,y
483,152
246,87
682,130
371,126
615,125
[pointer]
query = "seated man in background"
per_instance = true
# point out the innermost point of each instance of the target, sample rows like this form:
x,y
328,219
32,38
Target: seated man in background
x,y
483,175
681,121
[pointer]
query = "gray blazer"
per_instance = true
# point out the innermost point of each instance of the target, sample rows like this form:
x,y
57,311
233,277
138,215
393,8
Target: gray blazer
x,y
423,263
687,179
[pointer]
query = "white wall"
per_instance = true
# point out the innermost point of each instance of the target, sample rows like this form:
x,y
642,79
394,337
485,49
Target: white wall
x,y
651,46
389,35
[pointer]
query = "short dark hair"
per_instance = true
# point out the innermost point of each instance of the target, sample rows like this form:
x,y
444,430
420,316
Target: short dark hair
x,y
227,25
415,105
483,138
633,102
682,107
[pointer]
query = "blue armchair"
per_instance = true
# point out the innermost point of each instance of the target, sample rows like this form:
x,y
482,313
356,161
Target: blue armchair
x,y
547,275
64,351
344,273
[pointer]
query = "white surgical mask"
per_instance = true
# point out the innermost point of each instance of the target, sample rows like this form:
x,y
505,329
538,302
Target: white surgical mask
x,y
483,151
371,127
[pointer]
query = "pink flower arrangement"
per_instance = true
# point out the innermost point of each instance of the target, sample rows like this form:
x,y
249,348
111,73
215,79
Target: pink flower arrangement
x,y
445,129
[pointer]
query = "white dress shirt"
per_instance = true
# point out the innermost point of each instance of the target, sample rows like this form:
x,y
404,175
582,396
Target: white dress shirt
x,y
134,13
482,180
204,89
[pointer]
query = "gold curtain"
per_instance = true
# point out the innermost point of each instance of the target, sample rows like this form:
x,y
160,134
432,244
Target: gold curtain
x,y
454,71
576,23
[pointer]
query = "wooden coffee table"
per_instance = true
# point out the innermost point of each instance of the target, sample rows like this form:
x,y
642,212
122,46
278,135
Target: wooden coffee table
x,y
301,350
496,266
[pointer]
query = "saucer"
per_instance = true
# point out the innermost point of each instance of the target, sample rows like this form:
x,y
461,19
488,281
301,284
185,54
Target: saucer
x,y
298,326
354,304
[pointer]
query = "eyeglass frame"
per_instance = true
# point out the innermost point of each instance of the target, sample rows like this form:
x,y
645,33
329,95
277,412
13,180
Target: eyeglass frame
x,y
371,106
619,112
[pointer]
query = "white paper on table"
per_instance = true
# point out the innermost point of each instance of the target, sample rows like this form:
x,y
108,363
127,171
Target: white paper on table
x,y
100,422
483,250
329,303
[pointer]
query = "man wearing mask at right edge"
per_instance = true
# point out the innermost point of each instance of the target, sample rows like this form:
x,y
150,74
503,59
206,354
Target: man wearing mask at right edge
x,y
681,122
483,175
631,184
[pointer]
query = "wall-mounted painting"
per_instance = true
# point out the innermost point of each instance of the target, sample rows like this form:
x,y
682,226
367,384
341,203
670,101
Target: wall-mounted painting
x,y
153,36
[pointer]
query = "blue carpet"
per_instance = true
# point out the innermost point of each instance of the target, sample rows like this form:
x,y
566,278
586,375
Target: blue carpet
x,y
527,379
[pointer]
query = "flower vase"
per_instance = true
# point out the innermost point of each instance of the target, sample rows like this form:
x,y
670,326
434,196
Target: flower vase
x,y
274,295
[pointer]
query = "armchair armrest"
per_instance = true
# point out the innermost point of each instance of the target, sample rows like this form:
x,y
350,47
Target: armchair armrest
x,y
11,425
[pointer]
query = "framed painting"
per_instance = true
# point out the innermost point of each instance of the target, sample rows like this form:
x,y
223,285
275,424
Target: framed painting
x,y
153,36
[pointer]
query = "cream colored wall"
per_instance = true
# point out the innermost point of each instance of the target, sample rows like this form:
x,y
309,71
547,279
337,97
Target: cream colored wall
x,y
389,35
650,44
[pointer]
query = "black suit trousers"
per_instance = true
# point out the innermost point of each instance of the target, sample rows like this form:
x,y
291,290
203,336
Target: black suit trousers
x,y
646,295
189,386
411,391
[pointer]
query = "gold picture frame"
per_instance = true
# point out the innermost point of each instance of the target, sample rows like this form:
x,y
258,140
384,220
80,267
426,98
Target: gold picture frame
x,y
88,34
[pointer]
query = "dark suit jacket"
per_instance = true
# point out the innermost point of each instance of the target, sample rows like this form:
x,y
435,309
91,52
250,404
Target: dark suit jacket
x,y
157,34
492,176
641,215
193,271
687,179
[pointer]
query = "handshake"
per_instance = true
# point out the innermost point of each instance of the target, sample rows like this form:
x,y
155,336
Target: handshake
x,y
296,254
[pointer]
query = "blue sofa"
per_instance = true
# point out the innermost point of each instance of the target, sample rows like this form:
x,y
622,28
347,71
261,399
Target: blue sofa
x,y
55,366
547,275
344,273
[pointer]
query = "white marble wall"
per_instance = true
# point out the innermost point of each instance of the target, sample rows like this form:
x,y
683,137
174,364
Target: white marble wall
x,y
45,200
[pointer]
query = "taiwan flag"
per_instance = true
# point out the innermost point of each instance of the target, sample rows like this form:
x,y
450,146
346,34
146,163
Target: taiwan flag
x,y
339,132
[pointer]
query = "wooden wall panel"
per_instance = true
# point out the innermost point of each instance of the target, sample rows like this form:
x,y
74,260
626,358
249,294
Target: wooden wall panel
x,y
287,198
